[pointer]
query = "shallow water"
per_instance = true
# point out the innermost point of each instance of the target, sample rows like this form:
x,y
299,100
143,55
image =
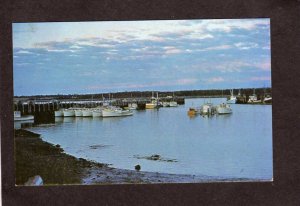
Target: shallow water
x,y
238,145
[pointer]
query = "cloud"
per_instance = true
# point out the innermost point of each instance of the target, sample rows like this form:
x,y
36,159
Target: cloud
x,y
215,80
231,66
171,50
265,78
54,46
227,25
23,52
246,45
187,81
214,48
266,66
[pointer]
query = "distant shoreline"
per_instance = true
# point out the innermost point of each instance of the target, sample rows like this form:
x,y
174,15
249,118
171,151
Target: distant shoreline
x,y
137,94
37,157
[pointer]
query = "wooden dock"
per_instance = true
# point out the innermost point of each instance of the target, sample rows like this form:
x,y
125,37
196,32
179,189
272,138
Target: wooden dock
x,y
49,106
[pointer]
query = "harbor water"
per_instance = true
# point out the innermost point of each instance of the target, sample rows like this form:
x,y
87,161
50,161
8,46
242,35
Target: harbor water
x,y
238,145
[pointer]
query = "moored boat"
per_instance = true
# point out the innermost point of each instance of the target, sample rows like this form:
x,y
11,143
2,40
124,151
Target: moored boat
x,y
87,113
19,117
69,113
78,113
267,99
153,103
97,113
58,113
132,106
173,104
232,99
115,112
223,109
253,98
207,109
192,111
166,104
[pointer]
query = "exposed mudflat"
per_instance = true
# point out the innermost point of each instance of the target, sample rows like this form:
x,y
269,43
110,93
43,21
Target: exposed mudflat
x,y
37,157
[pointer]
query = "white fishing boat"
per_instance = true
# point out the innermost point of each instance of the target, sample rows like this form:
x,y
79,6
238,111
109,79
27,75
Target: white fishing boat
x,y
115,112
267,99
97,112
132,106
58,113
232,99
78,113
69,113
173,104
19,117
87,113
253,98
207,109
166,104
223,109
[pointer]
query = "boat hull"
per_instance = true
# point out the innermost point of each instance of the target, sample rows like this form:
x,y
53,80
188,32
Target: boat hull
x,y
116,113
173,104
58,113
69,113
87,113
97,113
150,106
78,113
231,101
24,118
224,109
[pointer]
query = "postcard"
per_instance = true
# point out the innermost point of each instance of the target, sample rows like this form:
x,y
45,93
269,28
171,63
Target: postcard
x,y
142,102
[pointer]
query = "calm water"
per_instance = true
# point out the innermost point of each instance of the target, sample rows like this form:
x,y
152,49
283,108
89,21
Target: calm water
x,y
237,145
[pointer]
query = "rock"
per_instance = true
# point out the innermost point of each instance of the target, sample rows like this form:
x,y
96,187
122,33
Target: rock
x,y
137,167
155,157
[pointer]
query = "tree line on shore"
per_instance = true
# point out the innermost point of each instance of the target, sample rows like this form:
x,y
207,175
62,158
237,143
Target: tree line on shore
x,y
138,94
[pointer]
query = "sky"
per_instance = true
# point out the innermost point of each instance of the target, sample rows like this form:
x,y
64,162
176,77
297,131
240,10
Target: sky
x,y
165,55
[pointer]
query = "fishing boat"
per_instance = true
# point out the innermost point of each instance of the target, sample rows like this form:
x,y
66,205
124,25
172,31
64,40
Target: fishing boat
x,y
19,117
132,106
192,111
87,112
253,98
173,104
223,109
207,109
78,113
58,113
267,99
69,113
153,103
232,99
97,112
166,104
115,112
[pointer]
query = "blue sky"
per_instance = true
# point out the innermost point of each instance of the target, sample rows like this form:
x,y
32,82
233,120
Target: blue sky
x,y
112,56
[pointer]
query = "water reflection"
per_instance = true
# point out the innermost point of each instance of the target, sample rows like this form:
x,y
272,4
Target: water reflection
x,y
219,145
23,124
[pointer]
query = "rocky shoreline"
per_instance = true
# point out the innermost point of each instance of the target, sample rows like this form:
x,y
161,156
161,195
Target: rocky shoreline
x,y
36,157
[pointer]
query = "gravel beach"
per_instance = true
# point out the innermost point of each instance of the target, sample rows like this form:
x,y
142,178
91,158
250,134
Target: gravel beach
x,y
36,157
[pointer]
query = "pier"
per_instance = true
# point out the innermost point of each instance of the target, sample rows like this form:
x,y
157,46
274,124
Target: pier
x,y
27,106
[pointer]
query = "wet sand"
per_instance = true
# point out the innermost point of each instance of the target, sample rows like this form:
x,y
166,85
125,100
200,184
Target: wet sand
x,y
36,157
